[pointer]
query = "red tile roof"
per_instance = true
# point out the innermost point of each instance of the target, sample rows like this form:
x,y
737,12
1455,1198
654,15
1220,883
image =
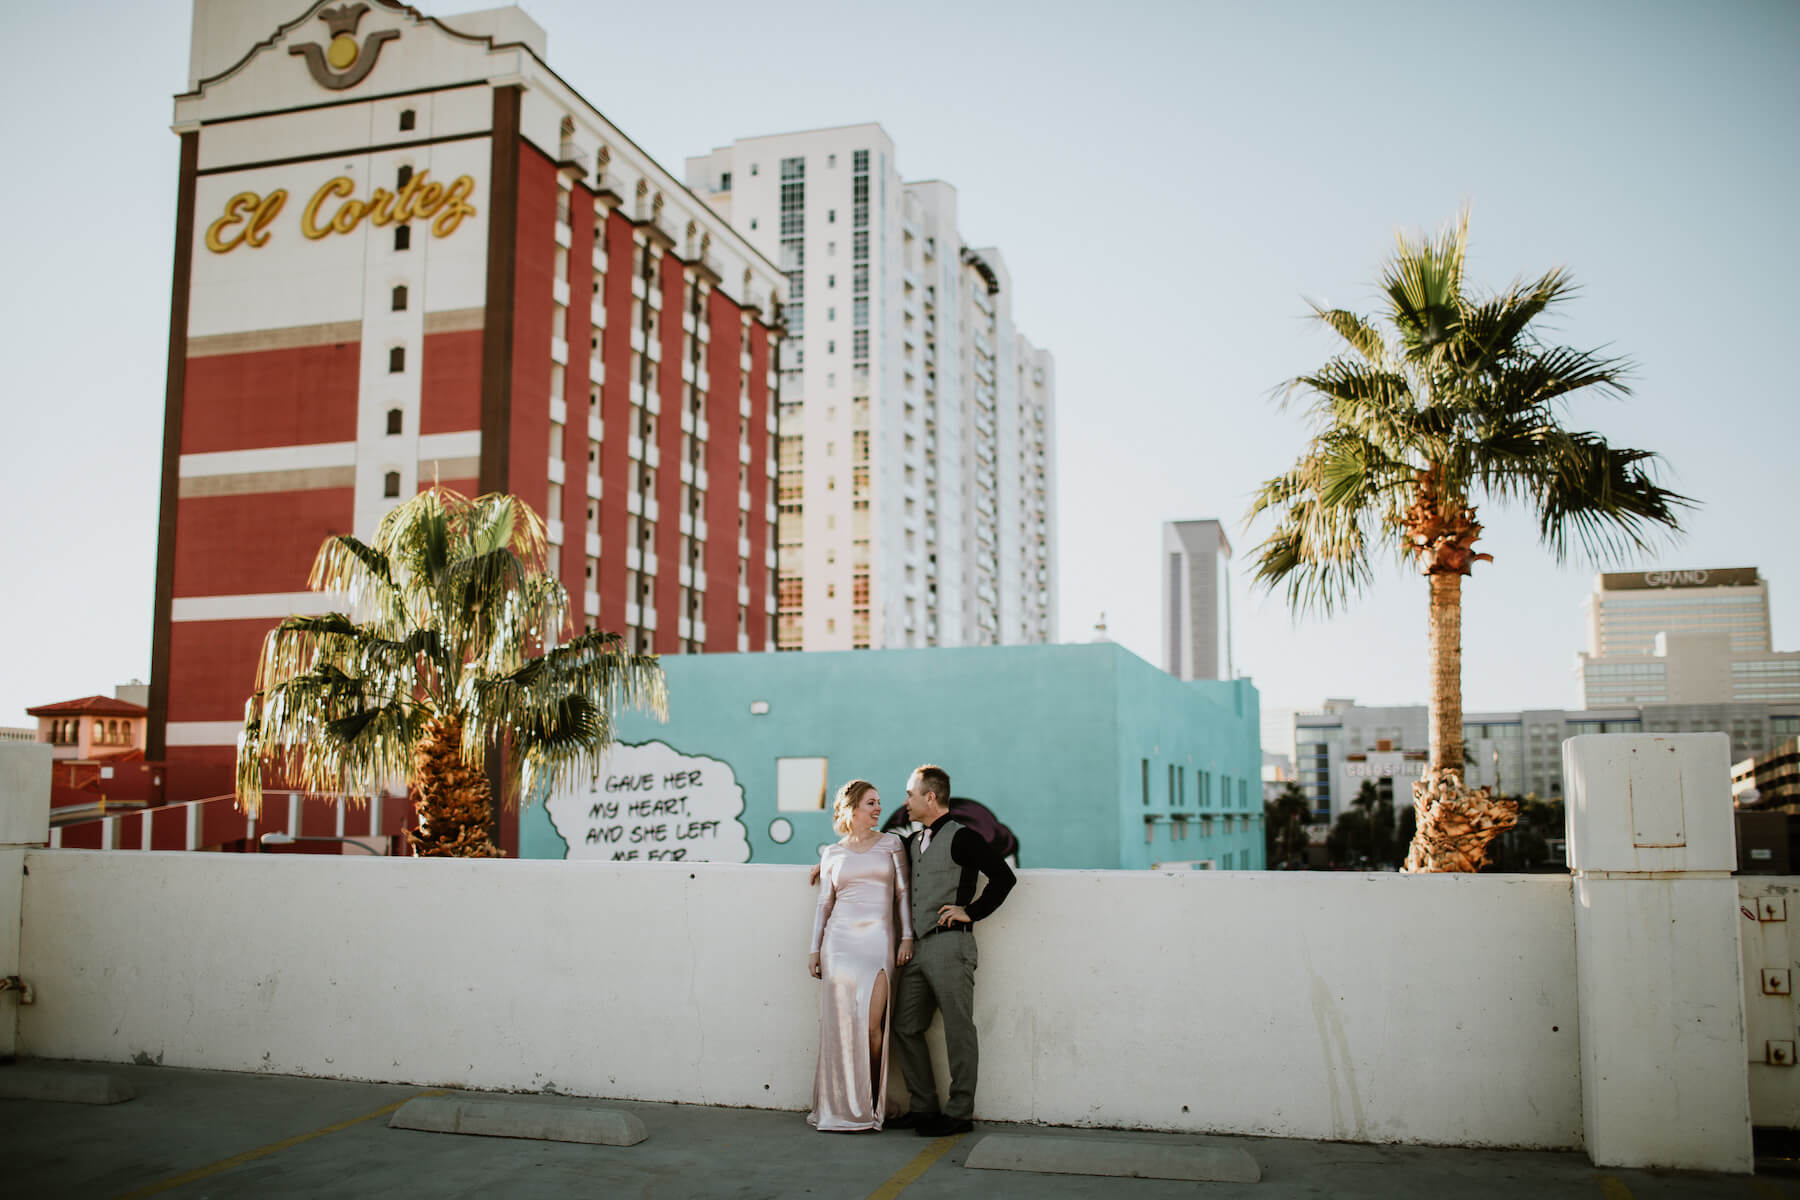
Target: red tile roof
x,y
103,706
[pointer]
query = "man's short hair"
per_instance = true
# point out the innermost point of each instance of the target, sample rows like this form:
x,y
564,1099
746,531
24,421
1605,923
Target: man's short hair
x,y
936,780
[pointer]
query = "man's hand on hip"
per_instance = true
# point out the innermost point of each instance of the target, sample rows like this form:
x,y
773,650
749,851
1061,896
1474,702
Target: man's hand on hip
x,y
953,914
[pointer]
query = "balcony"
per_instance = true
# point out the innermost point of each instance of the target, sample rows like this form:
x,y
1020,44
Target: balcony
x,y
700,579
649,567
684,628
591,544
703,379
559,351
638,340
743,594
634,448
743,547
700,529
559,291
743,643
649,621
686,525
559,411
702,430
687,420
744,360
685,576
651,509
590,603
596,425
653,351
633,614
743,500
600,263
652,455
687,370
744,406
597,313
634,504
699,630
553,531
564,235
593,485
557,470
687,474
701,479
596,369
639,288
744,453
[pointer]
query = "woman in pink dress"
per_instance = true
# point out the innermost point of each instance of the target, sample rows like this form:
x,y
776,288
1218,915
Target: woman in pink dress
x,y
863,902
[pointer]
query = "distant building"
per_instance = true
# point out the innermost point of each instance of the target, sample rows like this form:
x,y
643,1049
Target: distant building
x,y
97,756
1769,781
407,252
1683,637
1092,756
1519,752
1196,595
916,487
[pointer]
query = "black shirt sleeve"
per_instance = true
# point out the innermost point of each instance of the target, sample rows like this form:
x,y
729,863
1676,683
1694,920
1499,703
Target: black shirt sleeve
x,y
973,854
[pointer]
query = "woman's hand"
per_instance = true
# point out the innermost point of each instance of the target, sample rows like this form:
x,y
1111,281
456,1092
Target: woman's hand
x,y
812,880
813,968
903,955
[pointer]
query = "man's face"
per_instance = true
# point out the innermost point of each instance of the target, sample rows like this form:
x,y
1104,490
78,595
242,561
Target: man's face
x,y
918,803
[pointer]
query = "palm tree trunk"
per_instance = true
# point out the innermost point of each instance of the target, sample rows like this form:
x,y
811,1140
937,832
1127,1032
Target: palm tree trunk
x,y
452,798
1455,823
1446,672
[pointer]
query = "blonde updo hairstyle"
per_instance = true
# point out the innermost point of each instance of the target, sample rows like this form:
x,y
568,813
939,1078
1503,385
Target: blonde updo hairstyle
x,y
848,797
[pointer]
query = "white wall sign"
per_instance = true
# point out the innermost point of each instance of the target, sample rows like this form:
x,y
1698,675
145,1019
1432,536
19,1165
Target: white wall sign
x,y
652,803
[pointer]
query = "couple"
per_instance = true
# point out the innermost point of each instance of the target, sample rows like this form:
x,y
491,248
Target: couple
x,y
872,886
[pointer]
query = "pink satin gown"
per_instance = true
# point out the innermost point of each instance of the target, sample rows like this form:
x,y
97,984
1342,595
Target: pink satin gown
x,y
864,907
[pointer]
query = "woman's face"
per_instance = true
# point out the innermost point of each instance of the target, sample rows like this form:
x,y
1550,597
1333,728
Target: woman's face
x,y
866,816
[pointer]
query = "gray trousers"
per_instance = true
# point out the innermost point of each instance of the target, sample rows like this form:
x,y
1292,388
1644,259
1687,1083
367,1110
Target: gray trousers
x,y
940,978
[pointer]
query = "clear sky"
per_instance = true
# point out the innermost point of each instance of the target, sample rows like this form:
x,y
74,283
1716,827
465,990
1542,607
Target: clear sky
x,y
1169,182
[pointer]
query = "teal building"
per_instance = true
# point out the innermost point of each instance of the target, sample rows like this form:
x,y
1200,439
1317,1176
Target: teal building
x,y
1094,757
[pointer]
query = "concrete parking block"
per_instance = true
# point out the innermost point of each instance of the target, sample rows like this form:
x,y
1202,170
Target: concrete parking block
x,y
26,1082
500,1117
1128,1160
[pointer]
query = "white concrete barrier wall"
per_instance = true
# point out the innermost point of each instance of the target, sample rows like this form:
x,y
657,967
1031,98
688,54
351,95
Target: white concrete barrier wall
x,y
1435,1009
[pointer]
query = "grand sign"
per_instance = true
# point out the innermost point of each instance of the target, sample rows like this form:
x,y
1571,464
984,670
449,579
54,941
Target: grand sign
x,y
1715,577
248,215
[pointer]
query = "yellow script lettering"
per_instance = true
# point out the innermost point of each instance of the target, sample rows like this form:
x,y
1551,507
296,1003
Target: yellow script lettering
x,y
456,207
341,186
234,213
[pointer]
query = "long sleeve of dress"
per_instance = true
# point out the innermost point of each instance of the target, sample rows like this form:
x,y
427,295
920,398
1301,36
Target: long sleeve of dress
x,y
827,899
902,887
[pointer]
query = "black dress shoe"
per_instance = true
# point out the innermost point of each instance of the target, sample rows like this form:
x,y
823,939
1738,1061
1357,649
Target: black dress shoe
x,y
908,1120
942,1126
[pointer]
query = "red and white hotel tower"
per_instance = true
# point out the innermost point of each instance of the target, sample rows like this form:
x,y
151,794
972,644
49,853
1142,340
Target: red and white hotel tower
x,y
407,251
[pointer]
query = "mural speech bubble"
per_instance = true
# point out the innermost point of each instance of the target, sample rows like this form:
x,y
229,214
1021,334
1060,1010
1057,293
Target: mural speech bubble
x,y
651,803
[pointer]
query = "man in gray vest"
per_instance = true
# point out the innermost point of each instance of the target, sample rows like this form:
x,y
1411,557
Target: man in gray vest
x,y
946,857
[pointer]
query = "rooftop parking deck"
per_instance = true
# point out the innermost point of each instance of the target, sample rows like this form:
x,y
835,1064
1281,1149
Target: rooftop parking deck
x,y
214,1133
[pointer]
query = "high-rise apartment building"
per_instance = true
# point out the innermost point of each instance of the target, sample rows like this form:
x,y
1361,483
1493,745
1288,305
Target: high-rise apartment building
x,y
1196,593
1683,637
406,252
916,487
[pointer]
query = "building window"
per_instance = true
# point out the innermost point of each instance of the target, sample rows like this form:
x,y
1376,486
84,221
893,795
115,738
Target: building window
x,y
1146,764
403,176
753,222
831,216
400,298
408,119
394,421
403,237
831,160
725,181
390,485
753,168
396,360
859,161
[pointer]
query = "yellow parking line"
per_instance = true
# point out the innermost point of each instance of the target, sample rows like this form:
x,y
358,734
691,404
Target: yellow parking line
x,y
238,1160
918,1166
1613,1188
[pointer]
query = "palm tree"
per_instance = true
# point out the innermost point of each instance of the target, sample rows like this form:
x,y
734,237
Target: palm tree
x,y
1454,399
452,654
1284,819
